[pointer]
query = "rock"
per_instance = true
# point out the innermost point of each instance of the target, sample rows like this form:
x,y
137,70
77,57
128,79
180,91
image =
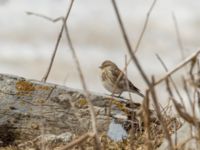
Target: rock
x,y
29,107
48,140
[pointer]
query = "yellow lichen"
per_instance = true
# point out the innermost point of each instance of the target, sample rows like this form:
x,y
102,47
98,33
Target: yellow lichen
x,y
81,102
34,126
40,87
120,106
24,86
39,101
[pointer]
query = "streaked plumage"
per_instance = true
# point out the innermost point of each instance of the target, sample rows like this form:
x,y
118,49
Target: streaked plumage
x,y
109,75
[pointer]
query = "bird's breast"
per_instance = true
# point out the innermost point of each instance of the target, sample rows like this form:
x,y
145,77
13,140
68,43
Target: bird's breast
x,y
108,82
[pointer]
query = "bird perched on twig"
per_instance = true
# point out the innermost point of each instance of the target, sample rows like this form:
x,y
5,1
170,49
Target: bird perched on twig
x,y
115,81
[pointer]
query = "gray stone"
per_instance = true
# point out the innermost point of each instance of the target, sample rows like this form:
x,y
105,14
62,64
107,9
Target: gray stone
x,y
29,107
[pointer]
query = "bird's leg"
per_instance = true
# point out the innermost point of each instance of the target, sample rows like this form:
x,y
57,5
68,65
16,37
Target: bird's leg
x,y
117,96
120,95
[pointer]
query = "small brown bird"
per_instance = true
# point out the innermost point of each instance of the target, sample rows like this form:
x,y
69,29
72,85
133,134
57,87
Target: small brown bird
x,y
109,76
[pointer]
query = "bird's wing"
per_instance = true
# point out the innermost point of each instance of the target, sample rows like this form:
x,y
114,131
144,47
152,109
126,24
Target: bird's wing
x,y
122,78
122,83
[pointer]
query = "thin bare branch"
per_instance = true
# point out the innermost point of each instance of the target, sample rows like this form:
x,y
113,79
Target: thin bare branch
x,y
160,117
168,88
182,112
86,92
132,136
57,43
139,41
185,86
145,25
126,75
179,66
182,144
77,141
143,29
192,66
147,120
173,83
178,36
44,17
133,57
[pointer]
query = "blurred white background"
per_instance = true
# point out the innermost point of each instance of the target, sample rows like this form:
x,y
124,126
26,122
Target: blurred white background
x,y
27,42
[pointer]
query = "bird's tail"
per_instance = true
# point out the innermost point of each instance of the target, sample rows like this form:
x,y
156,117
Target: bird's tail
x,y
134,89
137,91
140,94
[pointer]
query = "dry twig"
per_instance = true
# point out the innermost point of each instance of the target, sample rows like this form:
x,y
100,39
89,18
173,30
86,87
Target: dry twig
x,y
160,117
131,53
132,104
172,81
86,92
57,43
78,141
139,41
183,144
185,86
44,17
145,25
179,66
147,120
182,112
169,88
143,29
178,35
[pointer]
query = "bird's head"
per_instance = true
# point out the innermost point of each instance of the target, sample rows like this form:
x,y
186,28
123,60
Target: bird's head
x,y
106,64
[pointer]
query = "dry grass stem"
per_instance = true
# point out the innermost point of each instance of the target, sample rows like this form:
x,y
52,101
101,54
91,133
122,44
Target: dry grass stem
x,y
160,117
145,25
182,144
144,28
44,17
77,141
185,86
139,41
172,81
169,88
57,43
193,62
126,75
179,66
131,53
86,92
132,104
183,114
147,120
178,36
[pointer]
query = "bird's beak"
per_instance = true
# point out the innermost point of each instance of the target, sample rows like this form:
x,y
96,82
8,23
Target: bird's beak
x,y
100,67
